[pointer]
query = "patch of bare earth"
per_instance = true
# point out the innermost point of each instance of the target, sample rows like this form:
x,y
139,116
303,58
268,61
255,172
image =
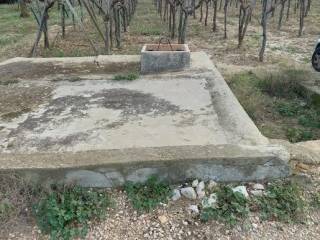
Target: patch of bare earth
x,y
16,99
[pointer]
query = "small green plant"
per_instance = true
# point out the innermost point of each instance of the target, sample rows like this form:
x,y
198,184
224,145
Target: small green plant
x,y
283,201
65,212
307,115
297,135
310,119
231,207
148,195
287,108
129,77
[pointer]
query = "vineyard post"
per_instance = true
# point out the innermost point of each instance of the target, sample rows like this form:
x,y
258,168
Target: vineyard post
x,y
225,18
215,8
302,15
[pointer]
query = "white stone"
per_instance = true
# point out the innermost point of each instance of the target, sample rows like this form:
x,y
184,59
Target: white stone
x,y
163,219
211,185
176,195
201,190
195,183
257,192
201,194
189,192
193,209
242,190
258,186
210,201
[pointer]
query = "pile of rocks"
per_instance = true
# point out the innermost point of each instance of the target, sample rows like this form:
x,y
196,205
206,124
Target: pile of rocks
x,y
204,192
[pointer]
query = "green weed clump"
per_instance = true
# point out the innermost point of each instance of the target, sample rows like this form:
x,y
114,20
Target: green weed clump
x,y
283,201
231,207
288,108
298,135
278,104
146,196
66,212
283,84
129,77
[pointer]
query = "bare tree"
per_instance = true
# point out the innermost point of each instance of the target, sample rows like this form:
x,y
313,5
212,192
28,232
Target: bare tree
x,y
245,14
24,12
225,10
207,12
288,9
43,27
268,7
307,7
302,16
282,5
215,8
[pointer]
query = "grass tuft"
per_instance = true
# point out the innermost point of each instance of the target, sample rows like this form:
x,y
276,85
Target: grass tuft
x,y
283,84
231,207
278,104
146,196
298,135
129,77
283,201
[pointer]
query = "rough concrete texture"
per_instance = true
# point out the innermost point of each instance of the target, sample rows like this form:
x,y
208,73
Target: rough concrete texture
x,y
159,61
100,132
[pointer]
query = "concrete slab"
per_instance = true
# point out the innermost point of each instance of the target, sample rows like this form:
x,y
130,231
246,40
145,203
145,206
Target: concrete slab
x,y
100,132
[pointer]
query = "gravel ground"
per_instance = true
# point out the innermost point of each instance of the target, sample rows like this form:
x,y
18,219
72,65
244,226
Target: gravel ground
x,y
174,221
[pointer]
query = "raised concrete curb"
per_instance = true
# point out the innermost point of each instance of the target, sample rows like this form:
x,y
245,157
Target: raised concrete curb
x,y
113,167
236,151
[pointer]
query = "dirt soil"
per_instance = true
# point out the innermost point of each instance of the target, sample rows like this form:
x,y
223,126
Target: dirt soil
x,y
17,99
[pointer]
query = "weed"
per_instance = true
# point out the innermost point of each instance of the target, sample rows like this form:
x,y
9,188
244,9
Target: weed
x,y
283,201
284,84
8,82
147,196
277,103
231,207
307,115
16,198
249,96
65,212
288,109
297,135
310,119
129,77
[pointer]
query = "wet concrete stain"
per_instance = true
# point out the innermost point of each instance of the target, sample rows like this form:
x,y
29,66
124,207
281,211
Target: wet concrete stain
x,y
131,103
134,102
